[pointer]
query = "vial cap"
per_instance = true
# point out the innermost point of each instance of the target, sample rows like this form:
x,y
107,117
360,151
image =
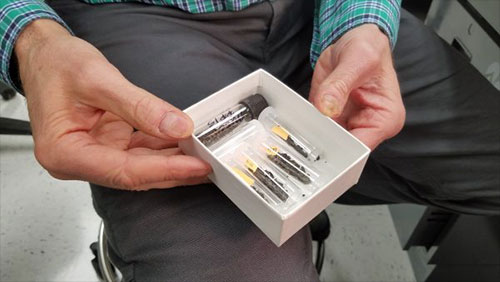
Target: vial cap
x,y
256,104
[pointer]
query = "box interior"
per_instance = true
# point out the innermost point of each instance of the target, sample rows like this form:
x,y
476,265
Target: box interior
x,y
339,149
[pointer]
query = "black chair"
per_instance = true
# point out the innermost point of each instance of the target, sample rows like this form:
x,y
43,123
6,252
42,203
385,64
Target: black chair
x,y
320,230
8,125
11,126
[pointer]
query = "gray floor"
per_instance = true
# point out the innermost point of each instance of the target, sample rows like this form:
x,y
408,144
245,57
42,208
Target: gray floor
x,y
364,246
46,226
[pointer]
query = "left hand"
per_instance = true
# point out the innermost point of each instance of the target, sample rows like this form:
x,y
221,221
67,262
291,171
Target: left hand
x,y
83,112
355,83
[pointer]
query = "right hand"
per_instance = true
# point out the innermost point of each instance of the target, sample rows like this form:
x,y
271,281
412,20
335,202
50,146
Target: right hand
x,y
83,113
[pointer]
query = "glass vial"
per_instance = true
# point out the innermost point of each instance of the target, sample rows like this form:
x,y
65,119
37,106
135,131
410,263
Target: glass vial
x,y
293,139
224,123
255,185
288,164
269,178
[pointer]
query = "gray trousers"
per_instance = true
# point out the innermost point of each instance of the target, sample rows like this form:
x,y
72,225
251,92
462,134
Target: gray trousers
x,y
447,155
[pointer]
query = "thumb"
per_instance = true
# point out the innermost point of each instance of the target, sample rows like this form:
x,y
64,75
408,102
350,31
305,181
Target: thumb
x,y
333,92
146,112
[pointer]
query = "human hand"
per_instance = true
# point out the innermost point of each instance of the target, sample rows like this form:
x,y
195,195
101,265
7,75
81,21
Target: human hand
x,y
83,113
355,83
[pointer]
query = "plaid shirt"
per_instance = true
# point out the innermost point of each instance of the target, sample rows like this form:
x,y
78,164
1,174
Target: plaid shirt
x,y
332,18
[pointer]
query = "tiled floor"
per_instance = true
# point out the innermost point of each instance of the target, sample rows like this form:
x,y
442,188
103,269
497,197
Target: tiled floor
x,y
363,246
46,226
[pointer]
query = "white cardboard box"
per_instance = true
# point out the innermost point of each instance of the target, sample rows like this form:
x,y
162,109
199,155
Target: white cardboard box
x,y
344,153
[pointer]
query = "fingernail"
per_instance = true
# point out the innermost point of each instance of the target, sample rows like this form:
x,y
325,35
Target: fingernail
x,y
330,106
175,125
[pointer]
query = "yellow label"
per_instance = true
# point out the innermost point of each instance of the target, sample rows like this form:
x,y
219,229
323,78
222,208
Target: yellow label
x,y
273,151
251,165
243,176
280,131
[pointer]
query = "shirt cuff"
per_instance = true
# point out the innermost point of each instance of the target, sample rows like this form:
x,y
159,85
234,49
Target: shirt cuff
x,y
14,17
333,18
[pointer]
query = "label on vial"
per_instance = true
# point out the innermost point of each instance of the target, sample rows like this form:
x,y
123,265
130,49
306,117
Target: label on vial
x,y
273,151
280,131
243,176
229,115
251,165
